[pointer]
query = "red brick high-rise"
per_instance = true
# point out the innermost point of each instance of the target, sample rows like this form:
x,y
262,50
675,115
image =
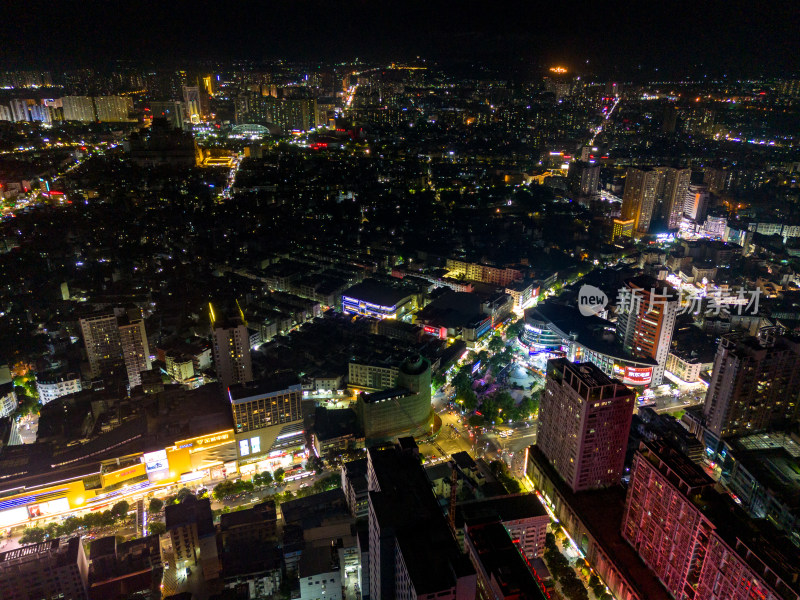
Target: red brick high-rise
x,y
695,540
584,421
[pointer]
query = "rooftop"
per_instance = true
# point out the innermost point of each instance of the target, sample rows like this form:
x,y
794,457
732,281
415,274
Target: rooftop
x,y
191,511
264,511
406,505
501,560
264,387
316,509
378,293
505,508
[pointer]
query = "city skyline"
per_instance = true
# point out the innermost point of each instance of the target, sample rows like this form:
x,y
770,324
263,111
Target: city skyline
x,y
402,301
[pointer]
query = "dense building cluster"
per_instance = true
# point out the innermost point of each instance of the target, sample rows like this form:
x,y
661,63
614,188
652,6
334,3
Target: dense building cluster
x,y
366,331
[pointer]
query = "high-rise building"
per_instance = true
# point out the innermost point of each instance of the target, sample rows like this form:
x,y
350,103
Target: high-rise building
x,y
755,384
267,416
191,100
413,553
695,203
53,569
113,109
208,84
583,178
639,197
78,108
232,353
20,109
670,120
646,321
584,418
135,349
699,121
699,544
287,113
622,229
676,184
101,339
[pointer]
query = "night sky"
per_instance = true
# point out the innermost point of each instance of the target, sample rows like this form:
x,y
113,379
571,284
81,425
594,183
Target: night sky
x,y
625,38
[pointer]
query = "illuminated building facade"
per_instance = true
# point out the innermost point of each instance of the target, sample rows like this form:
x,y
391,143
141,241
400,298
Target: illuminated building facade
x,y
26,497
287,113
8,400
646,321
231,346
500,276
584,420
268,421
755,384
78,108
693,538
639,197
192,103
695,203
135,349
556,330
113,109
372,299
101,339
55,386
676,184
622,229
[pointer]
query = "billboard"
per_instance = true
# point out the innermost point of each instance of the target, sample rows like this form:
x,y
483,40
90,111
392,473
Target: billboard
x,y
156,465
440,332
637,375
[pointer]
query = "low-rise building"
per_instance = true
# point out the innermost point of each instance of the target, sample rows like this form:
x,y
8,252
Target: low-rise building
x,y
374,299
8,400
191,530
54,386
502,571
320,575
52,569
255,525
335,431
354,485
521,514
372,376
126,569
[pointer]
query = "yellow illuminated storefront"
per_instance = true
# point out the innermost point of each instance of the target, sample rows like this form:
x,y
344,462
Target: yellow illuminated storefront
x,y
213,456
204,457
